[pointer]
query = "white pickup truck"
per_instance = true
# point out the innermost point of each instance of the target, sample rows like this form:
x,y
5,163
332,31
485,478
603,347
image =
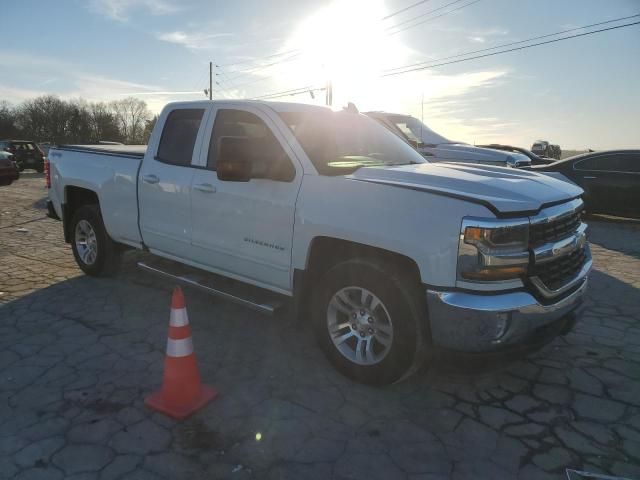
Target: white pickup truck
x,y
389,257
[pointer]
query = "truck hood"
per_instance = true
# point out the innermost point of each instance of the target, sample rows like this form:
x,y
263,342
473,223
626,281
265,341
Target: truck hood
x,y
461,151
502,190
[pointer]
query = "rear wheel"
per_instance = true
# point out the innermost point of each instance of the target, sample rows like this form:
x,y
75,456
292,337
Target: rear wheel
x,y
95,253
368,320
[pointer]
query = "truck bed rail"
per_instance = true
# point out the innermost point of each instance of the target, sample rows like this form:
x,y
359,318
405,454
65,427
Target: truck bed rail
x,y
132,151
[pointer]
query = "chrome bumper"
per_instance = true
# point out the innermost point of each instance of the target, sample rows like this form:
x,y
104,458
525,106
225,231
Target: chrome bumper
x,y
482,323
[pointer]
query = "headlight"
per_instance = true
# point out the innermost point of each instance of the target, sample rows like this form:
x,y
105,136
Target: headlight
x,y
493,250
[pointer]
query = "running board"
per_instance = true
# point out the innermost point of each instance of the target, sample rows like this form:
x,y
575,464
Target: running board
x,y
205,281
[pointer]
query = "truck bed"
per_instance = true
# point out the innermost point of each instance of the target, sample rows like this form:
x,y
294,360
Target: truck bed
x,y
111,171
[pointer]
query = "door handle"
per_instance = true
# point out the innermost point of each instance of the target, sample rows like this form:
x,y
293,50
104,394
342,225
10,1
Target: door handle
x,y
205,188
150,179
589,178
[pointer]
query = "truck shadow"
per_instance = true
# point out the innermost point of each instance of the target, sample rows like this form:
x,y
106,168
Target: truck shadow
x,y
622,236
135,303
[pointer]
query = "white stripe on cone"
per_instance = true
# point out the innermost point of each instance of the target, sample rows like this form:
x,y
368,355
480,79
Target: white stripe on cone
x,y
179,348
178,317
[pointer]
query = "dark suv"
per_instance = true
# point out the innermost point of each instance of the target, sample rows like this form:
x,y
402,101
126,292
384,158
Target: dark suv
x,y
26,154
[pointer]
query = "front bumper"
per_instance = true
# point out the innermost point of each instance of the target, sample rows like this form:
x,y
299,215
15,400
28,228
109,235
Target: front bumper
x,y
470,322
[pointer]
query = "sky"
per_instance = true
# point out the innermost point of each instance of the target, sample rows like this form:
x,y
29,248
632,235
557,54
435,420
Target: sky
x,y
580,93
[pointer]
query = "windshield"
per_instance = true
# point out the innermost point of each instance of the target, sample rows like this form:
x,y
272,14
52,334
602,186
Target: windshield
x,y
338,143
417,131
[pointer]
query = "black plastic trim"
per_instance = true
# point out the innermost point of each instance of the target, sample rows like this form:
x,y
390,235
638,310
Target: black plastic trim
x,y
51,213
100,151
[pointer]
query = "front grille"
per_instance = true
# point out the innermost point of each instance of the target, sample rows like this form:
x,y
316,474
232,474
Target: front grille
x,y
558,272
542,233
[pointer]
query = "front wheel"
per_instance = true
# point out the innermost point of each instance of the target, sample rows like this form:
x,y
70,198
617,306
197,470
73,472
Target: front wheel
x,y
368,320
95,253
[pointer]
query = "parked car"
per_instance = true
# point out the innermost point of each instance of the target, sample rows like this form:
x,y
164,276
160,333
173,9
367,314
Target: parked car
x,y
387,255
438,148
26,154
8,169
542,148
535,159
610,179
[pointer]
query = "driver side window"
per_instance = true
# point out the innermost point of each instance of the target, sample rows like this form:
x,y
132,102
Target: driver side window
x,y
267,156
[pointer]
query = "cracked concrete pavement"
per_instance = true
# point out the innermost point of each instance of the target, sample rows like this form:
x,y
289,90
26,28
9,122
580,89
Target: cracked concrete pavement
x,y
78,355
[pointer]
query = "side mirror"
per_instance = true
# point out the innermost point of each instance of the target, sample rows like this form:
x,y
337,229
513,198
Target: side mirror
x,y
234,162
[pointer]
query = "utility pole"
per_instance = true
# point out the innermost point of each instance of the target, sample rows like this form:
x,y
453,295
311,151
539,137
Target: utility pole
x,y
210,80
421,115
329,93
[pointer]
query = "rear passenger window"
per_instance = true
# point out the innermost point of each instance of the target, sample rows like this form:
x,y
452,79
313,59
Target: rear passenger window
x,y
179,136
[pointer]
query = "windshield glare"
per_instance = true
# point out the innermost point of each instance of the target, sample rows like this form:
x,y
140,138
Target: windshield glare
x,y
338,143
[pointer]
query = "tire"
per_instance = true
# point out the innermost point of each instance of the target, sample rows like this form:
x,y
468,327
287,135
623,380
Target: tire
x,y
400,312
40,169
87,227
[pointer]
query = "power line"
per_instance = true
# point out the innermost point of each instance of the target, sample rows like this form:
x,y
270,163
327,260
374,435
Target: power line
x,y
416,68
284,92
424,14
518,42
287,93
228,85
431,18
256,70
255,60
262,67
402,10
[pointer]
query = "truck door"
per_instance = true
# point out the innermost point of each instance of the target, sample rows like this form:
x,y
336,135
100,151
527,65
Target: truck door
x,y
164,183
245,229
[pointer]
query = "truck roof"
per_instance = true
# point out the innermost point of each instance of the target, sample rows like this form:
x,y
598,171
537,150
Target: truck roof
x,y
382,113
277,106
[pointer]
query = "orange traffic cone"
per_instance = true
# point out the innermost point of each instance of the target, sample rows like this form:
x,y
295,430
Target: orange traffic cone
x,y
181,393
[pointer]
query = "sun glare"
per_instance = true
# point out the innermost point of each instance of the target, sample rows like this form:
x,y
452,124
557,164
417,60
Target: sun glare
x,y
345,43
348,43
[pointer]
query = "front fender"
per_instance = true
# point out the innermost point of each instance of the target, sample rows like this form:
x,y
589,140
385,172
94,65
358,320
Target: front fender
x,y
424,227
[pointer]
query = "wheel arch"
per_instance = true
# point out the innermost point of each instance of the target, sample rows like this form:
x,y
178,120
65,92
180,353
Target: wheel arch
x,y
74,198
324,252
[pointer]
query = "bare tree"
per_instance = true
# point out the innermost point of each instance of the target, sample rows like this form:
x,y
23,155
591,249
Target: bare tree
x,y
44,118
148,128
131,115
8,127
103,124
48,118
